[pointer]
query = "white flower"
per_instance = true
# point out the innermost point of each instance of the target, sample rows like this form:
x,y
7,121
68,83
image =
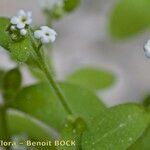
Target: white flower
x,y
23,32
147,49
45,34
22,19
50,4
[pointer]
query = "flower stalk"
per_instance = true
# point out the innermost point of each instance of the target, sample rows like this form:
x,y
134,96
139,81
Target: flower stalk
x,y
53,83
40,61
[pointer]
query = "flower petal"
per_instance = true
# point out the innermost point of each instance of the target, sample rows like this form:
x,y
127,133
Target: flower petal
x,y
44,28
45,40
20,25
14,20
29,21
52,38
38,34
21,13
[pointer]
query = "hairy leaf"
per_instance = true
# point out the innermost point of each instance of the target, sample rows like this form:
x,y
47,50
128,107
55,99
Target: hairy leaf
x,y
116,129
11,84
40,101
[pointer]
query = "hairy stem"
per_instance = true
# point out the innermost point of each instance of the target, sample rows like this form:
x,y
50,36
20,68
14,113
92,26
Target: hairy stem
x,y
53,83
40,60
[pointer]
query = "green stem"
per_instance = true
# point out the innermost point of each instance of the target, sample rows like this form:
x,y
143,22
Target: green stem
x,y
53,83
4,126
40,60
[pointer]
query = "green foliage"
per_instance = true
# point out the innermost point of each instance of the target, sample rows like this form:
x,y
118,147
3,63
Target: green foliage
x,y
146,102
4,37
129,18
143,142
117,128
73,131
94,79
11,84
71,5
46,104
21,124
20,50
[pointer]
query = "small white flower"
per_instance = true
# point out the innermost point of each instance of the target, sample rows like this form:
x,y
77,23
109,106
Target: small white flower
x,y
23,32
147,49
45,34
22,19
50,4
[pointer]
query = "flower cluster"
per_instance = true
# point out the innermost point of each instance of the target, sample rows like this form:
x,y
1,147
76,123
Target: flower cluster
x,y
22,21
147,49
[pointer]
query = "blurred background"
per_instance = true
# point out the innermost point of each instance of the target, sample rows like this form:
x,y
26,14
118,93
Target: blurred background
x,y
84,39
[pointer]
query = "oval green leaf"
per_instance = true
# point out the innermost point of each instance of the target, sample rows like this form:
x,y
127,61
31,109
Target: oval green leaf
x,y
71,5
21,124
143,143
129,18
117,128
92,78
11,84
21,50
40,101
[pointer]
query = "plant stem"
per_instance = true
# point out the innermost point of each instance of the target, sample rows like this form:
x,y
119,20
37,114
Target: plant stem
x,y
4,127
53,83
40,60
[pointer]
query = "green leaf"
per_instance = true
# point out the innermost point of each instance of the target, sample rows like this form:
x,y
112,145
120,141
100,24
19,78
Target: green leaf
x,y
73,132
21,124
21,50
129,18
146,101
48,108
4,38
11,84
143,143
71,5
117,128
94,79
